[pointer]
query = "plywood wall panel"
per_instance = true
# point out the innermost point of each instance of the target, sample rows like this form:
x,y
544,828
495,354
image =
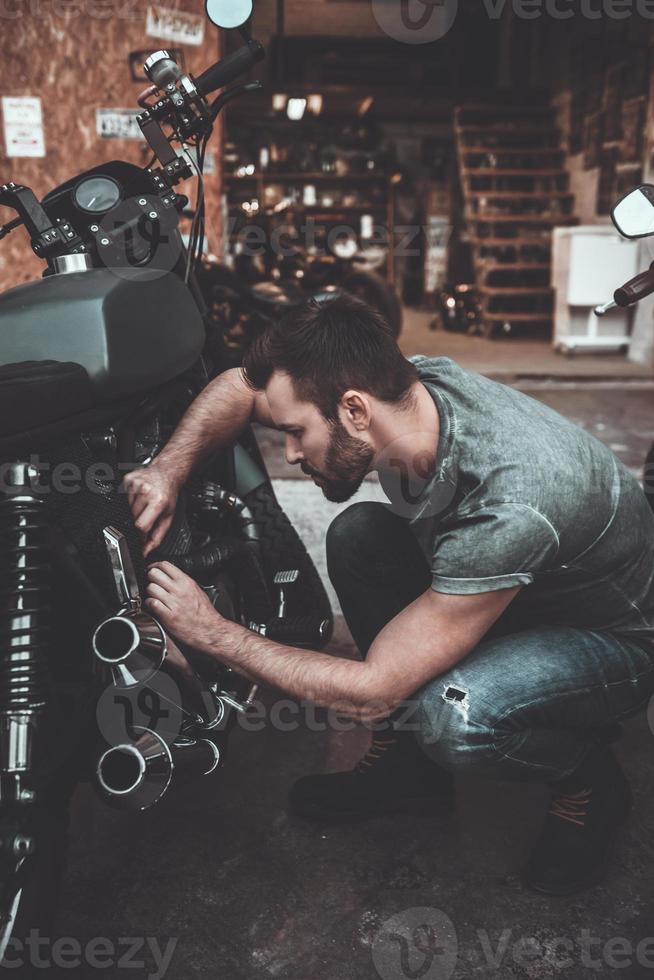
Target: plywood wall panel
x,y
74,55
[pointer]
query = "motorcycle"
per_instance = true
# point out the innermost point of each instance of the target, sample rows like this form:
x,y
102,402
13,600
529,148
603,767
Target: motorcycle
x,y
99,359
459,310
258,287
633,217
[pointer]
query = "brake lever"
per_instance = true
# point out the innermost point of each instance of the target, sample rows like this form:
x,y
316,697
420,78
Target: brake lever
x,y
605,308
232,93
5,229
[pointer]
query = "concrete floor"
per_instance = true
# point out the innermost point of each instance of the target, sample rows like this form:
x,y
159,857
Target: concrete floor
x,y
519,357
248,893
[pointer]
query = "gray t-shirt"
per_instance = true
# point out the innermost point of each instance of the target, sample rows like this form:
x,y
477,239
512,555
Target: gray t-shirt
x,y
521,496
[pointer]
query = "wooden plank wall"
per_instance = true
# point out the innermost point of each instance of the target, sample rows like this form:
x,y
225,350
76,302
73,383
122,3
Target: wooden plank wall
x,y
74,55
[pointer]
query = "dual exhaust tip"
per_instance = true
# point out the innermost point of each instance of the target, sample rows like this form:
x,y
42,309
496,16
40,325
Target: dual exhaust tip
x,y
135,775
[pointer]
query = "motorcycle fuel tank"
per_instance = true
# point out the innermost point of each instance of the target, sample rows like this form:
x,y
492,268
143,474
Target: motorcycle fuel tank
x,y
130,333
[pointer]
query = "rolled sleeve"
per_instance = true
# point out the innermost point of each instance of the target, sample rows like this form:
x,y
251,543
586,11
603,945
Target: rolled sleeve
x,y
498,546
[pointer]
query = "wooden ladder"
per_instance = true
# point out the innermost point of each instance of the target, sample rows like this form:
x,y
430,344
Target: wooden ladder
x,y
515,190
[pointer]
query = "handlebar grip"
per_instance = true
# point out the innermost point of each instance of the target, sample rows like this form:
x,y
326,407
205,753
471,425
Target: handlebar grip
x,y
300,631
636,289
235,64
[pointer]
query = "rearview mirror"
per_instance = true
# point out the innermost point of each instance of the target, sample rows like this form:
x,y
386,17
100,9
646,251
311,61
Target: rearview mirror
x,y
228,13
633,215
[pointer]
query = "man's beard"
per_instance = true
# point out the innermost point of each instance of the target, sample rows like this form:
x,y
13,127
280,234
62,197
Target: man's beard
x,y
347,461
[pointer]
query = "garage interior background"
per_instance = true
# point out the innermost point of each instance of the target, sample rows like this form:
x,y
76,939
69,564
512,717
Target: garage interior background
x,y
249,893
386,136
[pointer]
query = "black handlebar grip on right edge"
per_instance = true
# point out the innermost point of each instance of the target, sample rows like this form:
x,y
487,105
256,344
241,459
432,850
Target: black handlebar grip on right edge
x,y
235,64
298,631
636,289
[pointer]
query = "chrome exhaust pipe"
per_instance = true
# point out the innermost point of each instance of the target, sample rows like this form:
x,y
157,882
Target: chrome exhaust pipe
x,y
135,775
136,648
133,644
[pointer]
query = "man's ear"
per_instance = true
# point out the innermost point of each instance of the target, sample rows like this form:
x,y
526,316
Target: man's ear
x,y
356,409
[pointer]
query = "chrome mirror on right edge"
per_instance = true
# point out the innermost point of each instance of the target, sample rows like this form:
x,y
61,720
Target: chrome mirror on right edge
x,y
633,215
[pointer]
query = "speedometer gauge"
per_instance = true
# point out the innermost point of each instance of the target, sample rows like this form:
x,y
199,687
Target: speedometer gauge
x,y
97,194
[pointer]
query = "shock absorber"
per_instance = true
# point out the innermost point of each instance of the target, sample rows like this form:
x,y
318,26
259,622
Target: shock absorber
x,y
25,571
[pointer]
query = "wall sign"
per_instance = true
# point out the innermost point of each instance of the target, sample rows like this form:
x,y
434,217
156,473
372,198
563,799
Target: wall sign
x,y
23,125
174,25
117,124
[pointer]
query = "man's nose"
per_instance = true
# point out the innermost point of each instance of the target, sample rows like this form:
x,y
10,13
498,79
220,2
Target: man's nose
x,y
293,454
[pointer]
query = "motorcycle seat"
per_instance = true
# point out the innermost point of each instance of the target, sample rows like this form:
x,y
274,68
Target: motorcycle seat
x,y
36,393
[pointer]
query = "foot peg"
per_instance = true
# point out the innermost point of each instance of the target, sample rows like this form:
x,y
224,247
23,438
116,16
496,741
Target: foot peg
x,y
297,631
283,580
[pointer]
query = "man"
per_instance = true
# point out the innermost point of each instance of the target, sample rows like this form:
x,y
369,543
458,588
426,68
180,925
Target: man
x,y
506,593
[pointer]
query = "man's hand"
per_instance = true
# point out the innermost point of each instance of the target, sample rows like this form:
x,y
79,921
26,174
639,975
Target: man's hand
x,y
152,493
181,606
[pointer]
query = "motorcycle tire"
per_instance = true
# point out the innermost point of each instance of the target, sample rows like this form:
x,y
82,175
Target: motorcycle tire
x,y
37,904
282,549
378,293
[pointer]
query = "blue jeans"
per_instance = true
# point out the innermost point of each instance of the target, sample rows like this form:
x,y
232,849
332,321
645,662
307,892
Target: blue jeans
x,y
525,705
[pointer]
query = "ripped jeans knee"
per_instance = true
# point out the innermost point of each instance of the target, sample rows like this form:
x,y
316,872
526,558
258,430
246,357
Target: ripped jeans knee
x,y
453,733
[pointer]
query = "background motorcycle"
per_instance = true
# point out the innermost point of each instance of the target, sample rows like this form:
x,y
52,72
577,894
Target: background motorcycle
x,y
262,284
459,310
98,361
633,216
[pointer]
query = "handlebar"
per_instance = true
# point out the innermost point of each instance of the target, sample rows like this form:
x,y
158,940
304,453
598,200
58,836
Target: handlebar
x,y
225,71
632,292
636,289
182,104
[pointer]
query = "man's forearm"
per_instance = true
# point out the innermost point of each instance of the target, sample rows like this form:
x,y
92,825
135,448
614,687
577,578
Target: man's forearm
x,y
330,682
214,419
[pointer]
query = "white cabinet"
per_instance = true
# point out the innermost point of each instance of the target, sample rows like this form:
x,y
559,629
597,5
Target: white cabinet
x,y
589,262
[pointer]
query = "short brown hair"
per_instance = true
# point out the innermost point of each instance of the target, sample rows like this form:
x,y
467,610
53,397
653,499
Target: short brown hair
x,y
329,346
